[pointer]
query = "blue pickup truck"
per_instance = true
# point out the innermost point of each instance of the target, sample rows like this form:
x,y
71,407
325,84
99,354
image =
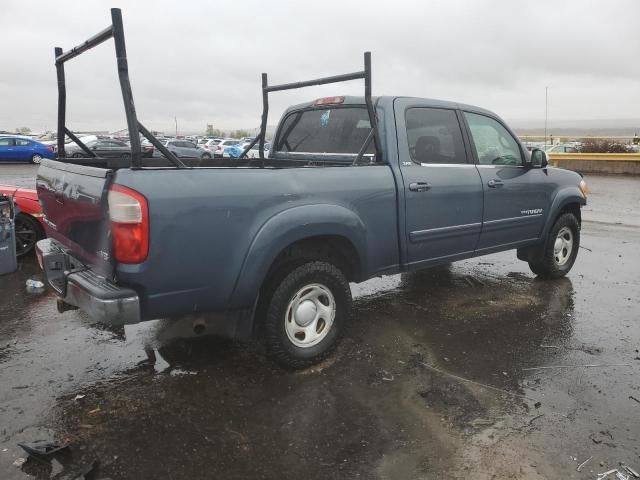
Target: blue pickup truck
x,y
354,187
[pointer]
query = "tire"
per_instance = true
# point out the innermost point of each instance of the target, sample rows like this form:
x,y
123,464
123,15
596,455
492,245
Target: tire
x,y
205,156
298,343
126,156
36,158
76,155
557,256
28,231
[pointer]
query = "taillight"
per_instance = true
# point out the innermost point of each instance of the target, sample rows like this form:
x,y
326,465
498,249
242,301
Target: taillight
x,y
50,148
129,215
329,101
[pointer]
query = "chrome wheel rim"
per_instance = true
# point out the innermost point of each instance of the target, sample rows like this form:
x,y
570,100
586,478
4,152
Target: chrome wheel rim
x,y
310,315
37,159
563,246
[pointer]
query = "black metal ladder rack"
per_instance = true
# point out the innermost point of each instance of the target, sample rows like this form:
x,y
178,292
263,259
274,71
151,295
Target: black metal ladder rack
x,y
115,31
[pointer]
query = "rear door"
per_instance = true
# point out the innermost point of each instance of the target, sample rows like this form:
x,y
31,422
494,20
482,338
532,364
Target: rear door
x,y
515,197
24,149
443,191
7,147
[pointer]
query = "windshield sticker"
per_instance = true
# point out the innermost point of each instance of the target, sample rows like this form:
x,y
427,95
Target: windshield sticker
x,y
324,118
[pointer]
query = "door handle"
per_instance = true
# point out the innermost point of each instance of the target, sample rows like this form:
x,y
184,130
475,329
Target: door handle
x,y
494,183
419,186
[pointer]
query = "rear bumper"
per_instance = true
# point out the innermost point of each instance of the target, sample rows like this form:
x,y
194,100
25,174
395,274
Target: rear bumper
x,y
80,287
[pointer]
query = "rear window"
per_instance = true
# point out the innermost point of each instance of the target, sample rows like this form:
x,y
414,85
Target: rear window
x,y
333,130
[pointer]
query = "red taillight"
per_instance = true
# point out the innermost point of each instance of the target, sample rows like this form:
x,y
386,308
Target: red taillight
x,y
50,148
129,215
329,101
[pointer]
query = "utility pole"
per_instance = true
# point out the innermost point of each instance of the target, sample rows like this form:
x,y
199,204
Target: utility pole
x,y
546,110
175,119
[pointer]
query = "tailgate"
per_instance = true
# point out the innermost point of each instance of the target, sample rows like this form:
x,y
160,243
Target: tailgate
x,y
74,204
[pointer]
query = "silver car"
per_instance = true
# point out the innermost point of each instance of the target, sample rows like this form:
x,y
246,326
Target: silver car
x,y
184,148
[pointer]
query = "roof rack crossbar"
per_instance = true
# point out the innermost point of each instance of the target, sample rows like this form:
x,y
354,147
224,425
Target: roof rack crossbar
x,y
364,74
135,128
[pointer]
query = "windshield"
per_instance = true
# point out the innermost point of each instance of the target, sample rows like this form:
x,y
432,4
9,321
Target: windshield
x,y
329,130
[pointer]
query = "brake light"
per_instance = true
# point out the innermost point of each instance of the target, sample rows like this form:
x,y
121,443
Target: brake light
x,y
329,101
50,148
129,216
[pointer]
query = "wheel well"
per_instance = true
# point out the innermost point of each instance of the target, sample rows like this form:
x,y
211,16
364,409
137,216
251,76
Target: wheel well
x,y
573,208
335,249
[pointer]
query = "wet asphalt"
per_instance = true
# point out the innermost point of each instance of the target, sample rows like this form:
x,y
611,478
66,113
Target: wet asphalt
x,y
476,370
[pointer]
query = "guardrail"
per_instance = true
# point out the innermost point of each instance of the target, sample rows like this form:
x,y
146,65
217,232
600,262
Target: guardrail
x,y
616,163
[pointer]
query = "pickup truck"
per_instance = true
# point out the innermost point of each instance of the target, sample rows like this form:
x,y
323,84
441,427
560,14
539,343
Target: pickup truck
x,y
354,187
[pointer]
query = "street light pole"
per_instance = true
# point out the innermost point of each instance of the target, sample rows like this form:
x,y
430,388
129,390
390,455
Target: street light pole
x,y
546,109
175,119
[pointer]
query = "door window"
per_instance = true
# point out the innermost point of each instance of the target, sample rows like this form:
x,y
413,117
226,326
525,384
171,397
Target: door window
x,y
6,142
22,143
493,143
434,136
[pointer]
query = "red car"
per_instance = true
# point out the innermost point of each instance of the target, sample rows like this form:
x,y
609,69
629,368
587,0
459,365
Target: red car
x,y
29,226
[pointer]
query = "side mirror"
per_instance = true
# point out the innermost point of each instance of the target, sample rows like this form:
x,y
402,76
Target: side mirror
x,y
538,158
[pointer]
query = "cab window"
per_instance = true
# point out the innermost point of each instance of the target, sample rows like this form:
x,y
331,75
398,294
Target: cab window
x,y
493,143
434,136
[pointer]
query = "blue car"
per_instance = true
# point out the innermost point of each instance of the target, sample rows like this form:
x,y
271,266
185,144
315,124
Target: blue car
x,y
23,149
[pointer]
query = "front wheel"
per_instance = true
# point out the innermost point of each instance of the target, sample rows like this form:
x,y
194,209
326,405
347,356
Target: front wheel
x,y
306,314
558,255
205,156
28,231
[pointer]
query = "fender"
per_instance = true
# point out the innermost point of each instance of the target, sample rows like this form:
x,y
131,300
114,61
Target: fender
x,y
287,227
564,196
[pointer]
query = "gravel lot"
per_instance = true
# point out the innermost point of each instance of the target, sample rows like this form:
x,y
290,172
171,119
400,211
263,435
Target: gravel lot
x,y
448,373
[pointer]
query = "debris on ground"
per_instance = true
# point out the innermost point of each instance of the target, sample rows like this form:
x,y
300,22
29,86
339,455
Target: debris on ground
x,y
583,464
19,462
34,284
79,397
624,472
42,448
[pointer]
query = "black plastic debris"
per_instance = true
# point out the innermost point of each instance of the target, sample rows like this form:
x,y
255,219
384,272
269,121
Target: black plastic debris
x,y
42,449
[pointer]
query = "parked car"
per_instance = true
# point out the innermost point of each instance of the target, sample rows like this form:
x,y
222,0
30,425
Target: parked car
x,y
210,145
219,150
184,148
29,227
24,149
353,188
106,148
560,149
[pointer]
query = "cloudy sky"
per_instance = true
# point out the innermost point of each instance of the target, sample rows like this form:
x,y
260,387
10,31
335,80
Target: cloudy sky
x,y
200,61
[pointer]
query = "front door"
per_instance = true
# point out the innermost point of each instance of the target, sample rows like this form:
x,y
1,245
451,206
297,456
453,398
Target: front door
x,y
515,196
443,191
7,148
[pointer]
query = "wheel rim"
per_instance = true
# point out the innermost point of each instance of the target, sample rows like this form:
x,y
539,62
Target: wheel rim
x,y
36,158
26,237
310,315
563,246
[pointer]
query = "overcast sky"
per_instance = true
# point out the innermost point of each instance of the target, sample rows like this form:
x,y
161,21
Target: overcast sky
x,y
200,61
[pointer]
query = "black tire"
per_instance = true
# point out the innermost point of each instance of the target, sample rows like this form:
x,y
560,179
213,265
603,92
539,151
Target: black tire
x,y
36,158
297,280
28,231
126,156
205,156
545,262
76,155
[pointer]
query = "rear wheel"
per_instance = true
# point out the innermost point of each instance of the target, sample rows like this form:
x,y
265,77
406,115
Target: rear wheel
x,y
77,155
205,156
36,158
306,314
558,255
28,231
126,156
